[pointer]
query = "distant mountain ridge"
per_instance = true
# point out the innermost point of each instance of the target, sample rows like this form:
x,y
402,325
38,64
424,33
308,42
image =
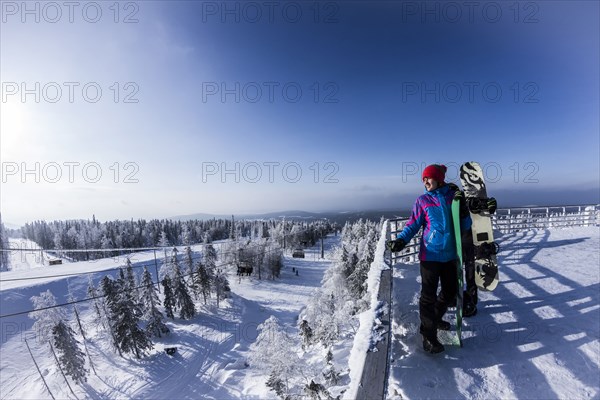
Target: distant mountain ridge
x,y
336,216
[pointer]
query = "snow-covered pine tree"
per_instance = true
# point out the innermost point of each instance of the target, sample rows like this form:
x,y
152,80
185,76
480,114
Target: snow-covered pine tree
x,y
316,391
328,329
294,237
124,317
183,300
276,384
163,241
92,293
186,235
110,289
106,243
70,355
273,260
272,352
169,300
362,257
189,262
210,258
232,230
149,299
165,269
221,285
352,260
110,292
203,281
129,335
46,319
130,284
331,375
357,281
307,333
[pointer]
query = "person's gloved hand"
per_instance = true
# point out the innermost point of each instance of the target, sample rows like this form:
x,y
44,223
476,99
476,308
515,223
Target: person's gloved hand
x,y
492,205
395,245
458,194
464,210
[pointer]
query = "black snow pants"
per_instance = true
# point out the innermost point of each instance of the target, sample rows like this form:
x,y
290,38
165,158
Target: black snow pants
x,y
431,306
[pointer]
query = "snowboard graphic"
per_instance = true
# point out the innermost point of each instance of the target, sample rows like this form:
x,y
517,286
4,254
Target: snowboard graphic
x,y
459,292
486,265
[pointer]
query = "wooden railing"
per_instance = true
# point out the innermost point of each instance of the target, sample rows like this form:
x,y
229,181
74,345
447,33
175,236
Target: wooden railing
x,y
517,219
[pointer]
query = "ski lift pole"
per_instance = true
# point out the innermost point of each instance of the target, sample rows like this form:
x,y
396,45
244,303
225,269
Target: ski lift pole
x,y
84,340
322,247
61,371
156,269
38,369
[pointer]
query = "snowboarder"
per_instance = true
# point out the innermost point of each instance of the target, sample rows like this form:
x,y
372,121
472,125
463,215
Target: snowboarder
x,y
437,253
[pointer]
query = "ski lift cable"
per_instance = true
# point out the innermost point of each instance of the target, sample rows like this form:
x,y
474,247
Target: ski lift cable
x,y
99,297
194,258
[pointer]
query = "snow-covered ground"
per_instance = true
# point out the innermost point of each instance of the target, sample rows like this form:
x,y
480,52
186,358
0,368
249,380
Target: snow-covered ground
x,y
537,336
212,347
29,256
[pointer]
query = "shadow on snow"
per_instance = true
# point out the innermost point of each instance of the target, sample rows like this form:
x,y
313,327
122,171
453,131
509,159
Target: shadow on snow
x,y
512,329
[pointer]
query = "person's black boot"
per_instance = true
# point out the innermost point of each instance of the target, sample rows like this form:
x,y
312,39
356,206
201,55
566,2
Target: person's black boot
x,y
443,325
432,345
469,310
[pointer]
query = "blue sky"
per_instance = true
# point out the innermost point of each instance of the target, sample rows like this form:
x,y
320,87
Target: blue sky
x,y
236,107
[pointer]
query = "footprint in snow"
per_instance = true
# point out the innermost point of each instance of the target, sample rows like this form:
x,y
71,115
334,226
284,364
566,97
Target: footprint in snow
x,y
429,383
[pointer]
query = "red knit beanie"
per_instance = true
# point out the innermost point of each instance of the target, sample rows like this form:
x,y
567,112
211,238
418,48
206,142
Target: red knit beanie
x,y
435,171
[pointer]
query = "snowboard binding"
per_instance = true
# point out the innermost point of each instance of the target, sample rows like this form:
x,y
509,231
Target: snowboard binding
x,y
486,250
479,205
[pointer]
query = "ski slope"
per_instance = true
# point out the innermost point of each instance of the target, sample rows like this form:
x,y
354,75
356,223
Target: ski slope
x,y
22,260
212,348
537,336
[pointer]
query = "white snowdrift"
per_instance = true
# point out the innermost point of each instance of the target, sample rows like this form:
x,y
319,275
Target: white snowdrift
x,y
364,339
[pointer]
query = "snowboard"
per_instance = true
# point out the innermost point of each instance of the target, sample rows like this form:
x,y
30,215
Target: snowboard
x,y
459,269
486,264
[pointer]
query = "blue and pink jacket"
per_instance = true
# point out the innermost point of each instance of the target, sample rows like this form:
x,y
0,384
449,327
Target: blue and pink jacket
x,y
433,212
